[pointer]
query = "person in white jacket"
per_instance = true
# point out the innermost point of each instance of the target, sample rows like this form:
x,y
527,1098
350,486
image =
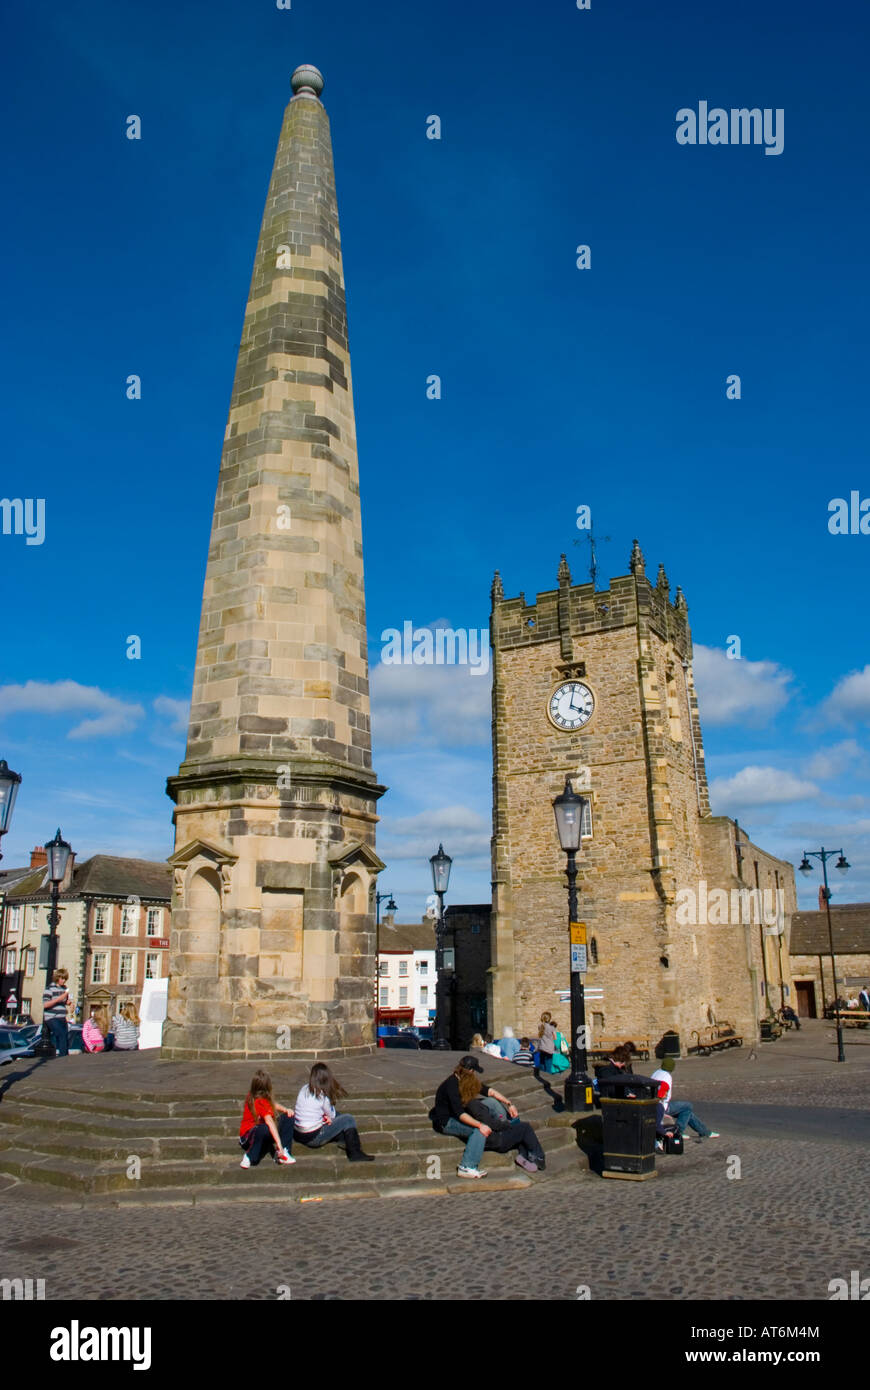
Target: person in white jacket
x,y
680,1110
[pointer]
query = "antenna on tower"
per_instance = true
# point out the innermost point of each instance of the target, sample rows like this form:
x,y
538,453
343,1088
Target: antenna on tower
x,y
593,554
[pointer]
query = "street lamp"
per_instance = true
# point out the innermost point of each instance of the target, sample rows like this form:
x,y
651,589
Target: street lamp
x,y
441,864
391,907
568,809
842,864
57,854
9,783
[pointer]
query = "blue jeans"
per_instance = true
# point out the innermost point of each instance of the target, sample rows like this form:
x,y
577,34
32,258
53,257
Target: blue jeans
x,y
474,1145
260,1138
59,1035
327,1133
686,1118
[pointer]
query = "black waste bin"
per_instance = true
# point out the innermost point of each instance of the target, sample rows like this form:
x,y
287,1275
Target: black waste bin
x,y
668,1045
629,1126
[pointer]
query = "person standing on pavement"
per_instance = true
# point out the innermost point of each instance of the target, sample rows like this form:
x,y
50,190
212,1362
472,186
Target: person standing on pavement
x,y
55,999
317,1120
547,1042
449,1114
864,998
681,1110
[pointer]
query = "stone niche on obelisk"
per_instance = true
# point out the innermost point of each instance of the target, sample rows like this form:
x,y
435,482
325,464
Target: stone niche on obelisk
x,y
272,948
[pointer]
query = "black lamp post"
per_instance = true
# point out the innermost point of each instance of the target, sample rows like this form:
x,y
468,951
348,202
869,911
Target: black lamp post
x,y
391,907
58,853
568,808
843,865
9,783
441,864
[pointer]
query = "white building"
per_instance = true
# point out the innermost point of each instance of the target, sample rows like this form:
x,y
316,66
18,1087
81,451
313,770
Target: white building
x,y
406,973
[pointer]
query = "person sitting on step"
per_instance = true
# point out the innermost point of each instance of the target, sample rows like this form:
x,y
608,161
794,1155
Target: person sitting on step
x,y
524,1057
259,1131
317,1120
449,1114
508,1045
680,1110
507,1133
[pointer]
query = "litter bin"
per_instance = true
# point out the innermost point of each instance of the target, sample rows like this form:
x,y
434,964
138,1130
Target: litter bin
x,y
629,1127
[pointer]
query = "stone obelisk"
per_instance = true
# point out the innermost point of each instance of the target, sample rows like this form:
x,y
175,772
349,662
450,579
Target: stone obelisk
x,y
272,948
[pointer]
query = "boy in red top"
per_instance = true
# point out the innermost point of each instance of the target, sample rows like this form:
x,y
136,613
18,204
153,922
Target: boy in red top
x,y
258,1130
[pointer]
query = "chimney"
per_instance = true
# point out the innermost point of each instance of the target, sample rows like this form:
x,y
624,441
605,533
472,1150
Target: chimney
x,y
38,858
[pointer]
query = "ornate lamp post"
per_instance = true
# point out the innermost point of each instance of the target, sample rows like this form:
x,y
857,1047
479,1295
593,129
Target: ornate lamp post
x,y
805,867
391,907
568,808
58,853
441,864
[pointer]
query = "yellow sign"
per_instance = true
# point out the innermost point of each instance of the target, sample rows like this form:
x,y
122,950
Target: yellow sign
x,y
588,1095
578,933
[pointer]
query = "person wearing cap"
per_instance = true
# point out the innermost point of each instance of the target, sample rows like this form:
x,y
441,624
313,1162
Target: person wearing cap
x,y
449,1115
680,1110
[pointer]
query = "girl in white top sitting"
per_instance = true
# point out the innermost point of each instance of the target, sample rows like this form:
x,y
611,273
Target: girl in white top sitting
x,y
317,1121
125,1026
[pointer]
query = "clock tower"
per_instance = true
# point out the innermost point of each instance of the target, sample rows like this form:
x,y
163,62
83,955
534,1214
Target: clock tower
x,y
596,685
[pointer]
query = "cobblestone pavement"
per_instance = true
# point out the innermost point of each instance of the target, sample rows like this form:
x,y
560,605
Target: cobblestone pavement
x,y
795,1218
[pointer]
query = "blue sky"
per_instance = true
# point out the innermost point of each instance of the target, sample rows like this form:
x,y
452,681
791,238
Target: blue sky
x,y
561,387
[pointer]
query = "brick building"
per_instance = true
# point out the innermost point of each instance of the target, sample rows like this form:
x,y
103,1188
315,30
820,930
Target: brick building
x,y
597,685
113,932
811,955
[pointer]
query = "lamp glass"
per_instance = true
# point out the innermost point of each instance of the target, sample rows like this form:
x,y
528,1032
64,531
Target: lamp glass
x,y
441,864
568,810
58,853
805,867
843,864
9,783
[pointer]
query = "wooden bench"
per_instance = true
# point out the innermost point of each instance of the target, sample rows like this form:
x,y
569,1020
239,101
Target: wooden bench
x,y
715,1039
605,1046
853,1018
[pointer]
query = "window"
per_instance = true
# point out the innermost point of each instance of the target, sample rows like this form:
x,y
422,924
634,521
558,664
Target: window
x,y
586,820
11,960
403,967
30,960
129,921
424,996
102,921
155,921
385,996
383,967
424,967
99,967
403,996
14,918
475,929
127,970
152,965
26,1006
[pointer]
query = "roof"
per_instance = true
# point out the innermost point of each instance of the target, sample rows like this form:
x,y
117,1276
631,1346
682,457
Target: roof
x,y
103,875
17,883
413,936
850,925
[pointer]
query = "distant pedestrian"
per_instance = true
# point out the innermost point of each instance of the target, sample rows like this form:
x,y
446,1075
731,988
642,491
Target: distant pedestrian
x,y
125,1026
477,1041
547,1042
259,1132
789,1016
681,1110
55,999
490,1046
508,1045
317,1120
864,998
524,1057
561,1054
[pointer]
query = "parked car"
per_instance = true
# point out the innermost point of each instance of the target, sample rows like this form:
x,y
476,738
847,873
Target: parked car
x,y
402,1040
13,1045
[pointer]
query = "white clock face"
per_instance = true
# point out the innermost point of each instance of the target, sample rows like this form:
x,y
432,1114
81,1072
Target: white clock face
x,y
571,705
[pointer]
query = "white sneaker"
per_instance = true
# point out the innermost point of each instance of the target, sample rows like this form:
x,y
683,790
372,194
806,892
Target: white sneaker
x,y
284,1158
464,1172
246,1162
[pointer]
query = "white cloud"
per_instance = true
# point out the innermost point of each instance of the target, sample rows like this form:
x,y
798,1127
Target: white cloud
x,y
758,786
112,716
849,701
466,832
738,691
176,710
444,706
829,763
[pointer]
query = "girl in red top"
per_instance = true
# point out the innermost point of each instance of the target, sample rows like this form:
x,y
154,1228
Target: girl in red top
x,y
259,1131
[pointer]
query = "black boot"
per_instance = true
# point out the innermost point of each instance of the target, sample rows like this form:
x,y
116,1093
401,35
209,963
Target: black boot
x,y
354,1148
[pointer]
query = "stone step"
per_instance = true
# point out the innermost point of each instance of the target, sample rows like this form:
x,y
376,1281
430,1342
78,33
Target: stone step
x,y
501,1181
